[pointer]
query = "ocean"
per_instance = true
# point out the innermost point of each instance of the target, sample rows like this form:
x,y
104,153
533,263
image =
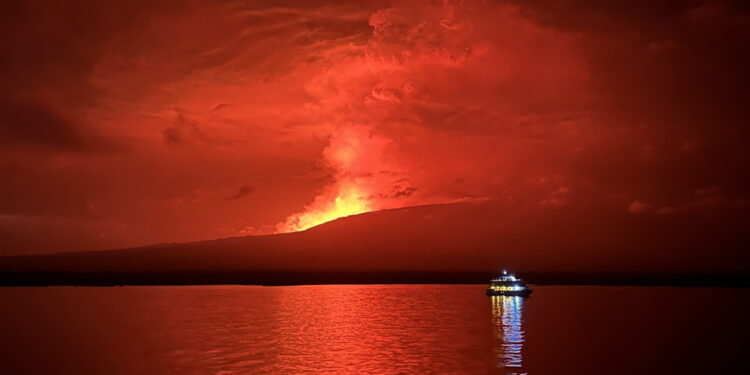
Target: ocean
x,y
373,329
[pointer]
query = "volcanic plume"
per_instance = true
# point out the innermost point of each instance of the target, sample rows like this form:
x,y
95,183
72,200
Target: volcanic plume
x,y
362,177
391,144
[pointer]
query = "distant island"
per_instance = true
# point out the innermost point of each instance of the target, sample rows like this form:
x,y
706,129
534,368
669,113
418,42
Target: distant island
x,y
455,243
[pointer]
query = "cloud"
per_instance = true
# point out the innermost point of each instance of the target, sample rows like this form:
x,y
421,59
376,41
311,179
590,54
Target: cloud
x,y
701,199
32,123
242,192
638,207
182,131
557,198
221,106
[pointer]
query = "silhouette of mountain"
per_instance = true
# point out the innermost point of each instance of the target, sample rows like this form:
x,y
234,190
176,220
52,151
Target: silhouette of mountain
x,y
464,242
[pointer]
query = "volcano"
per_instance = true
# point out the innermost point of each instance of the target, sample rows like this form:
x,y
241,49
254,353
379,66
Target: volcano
x,y
462,242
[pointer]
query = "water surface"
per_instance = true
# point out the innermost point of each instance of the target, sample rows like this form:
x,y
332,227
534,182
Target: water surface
x,y
372,329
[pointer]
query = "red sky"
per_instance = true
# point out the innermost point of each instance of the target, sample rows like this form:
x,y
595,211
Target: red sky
x,y
134,122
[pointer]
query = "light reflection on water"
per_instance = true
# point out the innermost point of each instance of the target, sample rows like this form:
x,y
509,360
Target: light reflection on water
x,y
507,314
373,329
317,330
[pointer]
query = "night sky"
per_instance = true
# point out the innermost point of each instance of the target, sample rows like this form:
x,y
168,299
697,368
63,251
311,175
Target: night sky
x,y
127,123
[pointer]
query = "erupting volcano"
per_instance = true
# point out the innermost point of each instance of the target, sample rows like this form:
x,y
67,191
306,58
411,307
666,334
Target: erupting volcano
x,y
348,200
313,145
355,157
129,123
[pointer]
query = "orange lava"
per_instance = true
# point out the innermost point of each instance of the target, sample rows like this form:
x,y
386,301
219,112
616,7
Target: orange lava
x,y
350,200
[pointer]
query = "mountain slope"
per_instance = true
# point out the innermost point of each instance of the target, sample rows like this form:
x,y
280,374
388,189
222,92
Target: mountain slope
x,y
457,238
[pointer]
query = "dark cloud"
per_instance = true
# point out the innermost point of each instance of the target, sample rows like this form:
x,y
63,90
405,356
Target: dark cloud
x,y
34,124
221,106
182,131
242,192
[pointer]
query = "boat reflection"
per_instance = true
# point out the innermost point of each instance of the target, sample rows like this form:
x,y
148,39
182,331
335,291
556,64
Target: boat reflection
x,y
506,313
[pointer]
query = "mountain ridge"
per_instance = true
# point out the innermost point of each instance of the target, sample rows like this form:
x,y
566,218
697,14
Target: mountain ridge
x,y
468,239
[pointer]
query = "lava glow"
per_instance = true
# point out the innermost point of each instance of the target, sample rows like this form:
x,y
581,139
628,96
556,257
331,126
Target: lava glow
x,y
353,154
350,200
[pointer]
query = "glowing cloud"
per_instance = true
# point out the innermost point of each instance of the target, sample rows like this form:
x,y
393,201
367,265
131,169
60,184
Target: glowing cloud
x,y
353,154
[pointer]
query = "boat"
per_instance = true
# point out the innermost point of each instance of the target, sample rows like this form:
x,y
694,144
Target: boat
x,y
507,285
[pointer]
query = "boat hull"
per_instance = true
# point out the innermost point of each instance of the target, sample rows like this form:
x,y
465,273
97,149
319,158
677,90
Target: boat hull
x,y
510,293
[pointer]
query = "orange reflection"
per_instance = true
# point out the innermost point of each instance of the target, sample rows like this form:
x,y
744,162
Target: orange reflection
x,y
377,329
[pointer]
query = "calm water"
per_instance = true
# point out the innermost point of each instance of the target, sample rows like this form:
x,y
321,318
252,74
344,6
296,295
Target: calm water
x,y
378,329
